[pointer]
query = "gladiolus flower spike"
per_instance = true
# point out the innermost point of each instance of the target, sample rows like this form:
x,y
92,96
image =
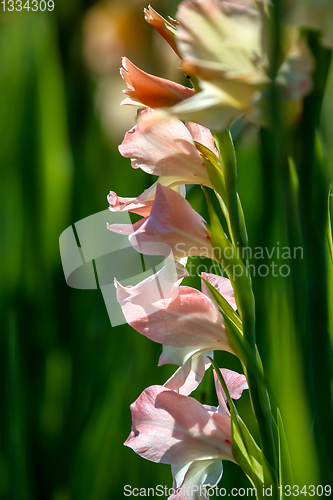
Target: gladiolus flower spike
x,y
182,138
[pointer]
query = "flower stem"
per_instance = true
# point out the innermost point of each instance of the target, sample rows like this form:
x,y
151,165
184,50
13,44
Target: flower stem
x,y
259,395
228,160
244,296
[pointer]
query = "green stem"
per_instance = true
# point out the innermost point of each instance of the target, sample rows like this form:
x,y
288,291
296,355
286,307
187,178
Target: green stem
x,y
259,395
244,295
228,160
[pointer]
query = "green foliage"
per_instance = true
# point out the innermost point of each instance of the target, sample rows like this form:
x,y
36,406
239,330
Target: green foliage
x,y
285,466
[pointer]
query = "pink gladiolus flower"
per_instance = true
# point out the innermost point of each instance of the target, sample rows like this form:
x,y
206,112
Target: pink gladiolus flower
x,y
184,320
172,225
168,150
168,427
221,43
149,90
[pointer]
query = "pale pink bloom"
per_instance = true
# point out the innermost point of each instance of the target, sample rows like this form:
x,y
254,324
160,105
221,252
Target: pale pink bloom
x,y
148,90
172,225
194,362
222,40
168,427
184,320
223,44
168,150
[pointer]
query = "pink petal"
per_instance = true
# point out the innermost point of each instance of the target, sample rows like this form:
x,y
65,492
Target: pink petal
x,y
236,32
244,3
236,383
167,149
164,27
197,474
135,205
187,378
172,225
150,90
211,107
222,285
184,319
202,135
160,285
177,355
174,429
142,205
126,229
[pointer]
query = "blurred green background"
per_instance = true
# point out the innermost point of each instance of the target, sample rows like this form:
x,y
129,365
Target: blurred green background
x,y
67,376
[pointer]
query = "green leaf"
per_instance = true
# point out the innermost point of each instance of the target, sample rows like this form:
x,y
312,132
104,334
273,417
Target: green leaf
x,y
242,349
216,178
329,252
236,340
329,229
220,240
244,447
214,170
225,306
285,467
293,176
218,270
243,229
228,161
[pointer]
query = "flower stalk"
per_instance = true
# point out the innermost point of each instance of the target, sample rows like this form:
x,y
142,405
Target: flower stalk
x,y
227,156
245,299
244,61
